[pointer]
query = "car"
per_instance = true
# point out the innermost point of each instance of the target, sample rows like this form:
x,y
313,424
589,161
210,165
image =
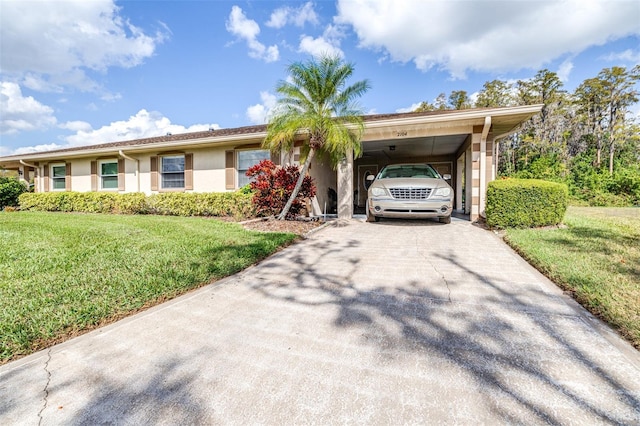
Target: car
x,y
409,191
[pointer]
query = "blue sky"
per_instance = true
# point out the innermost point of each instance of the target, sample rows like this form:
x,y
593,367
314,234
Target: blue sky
x,y
76,73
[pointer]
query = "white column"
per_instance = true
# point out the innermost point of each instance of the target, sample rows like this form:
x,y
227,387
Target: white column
x,y
458,196
483,165
345,187
468,177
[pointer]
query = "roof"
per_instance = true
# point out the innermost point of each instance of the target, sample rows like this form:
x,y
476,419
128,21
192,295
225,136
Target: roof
x,y
253,133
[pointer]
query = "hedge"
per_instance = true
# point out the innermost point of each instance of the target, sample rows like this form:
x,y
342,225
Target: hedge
x,y
234,204
525,203
10,190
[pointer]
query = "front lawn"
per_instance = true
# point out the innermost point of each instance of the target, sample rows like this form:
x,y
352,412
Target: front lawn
x,y
596,258
62,274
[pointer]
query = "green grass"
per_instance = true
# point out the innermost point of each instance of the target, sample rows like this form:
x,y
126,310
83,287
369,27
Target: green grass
x,y
62,274
596,258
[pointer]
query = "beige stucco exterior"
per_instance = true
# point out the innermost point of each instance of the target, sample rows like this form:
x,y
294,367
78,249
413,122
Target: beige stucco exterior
x,y
460,143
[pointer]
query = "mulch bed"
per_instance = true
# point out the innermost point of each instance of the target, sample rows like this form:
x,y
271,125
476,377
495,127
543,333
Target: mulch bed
x,y
298,227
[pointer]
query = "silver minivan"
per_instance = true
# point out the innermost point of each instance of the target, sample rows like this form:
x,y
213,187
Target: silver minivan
x,y
411,191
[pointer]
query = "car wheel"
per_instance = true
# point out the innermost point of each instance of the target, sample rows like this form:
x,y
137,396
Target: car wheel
x,y
370,217
445,219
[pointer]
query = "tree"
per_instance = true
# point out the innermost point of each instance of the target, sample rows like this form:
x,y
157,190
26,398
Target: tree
x,y
620,94
441,102
424,107
317,106
496,93
603,103
458,99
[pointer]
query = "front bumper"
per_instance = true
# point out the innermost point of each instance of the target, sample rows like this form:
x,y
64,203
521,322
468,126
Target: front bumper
x,y
410,209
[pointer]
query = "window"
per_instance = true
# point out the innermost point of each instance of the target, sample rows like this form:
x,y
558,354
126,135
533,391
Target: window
x,y
58,177
172,171
247,159
109,174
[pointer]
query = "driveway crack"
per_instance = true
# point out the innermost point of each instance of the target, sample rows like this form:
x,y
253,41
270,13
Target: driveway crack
x,y
442,276
46,387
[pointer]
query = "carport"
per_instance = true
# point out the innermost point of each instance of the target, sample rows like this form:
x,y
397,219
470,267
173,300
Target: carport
x,y
462,143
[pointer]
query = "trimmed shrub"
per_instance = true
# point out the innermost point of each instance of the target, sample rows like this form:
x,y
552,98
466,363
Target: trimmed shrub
x,y
272,186
233,204
525,203
10,190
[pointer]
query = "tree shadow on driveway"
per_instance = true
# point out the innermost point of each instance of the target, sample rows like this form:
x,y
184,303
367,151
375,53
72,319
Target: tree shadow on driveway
x,y
524,350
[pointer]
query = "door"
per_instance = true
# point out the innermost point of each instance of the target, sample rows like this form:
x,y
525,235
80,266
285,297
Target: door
x,y
363,172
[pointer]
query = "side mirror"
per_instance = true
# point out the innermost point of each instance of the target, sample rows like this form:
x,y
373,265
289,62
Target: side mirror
x,y
369,180
446,177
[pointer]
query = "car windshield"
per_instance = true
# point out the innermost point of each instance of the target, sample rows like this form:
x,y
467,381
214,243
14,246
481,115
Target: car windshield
x,y
408,171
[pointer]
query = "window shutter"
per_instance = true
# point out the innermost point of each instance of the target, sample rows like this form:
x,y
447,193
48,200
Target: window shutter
x,y
154,173
188,171
229,170
120,174
67,177
45,178
275,158
94,175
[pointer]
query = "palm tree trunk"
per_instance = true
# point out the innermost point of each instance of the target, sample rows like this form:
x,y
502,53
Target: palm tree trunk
x,y
296,189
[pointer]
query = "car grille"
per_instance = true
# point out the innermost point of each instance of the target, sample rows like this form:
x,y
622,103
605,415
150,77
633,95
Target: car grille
x,y
410,193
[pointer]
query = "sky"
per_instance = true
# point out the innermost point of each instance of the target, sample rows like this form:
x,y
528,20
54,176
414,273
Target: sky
x,y
76,73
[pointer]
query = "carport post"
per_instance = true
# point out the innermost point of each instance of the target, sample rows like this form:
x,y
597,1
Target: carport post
x,y
345,186
458,189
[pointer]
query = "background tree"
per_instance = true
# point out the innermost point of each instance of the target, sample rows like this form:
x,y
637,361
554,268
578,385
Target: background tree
x,y
495,93
317,105
619,94
458,99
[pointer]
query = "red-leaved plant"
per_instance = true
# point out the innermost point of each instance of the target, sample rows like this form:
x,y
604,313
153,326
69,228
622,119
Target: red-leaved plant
x,y
272,186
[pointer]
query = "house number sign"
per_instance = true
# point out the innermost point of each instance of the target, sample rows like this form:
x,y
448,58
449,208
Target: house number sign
x,y
401,133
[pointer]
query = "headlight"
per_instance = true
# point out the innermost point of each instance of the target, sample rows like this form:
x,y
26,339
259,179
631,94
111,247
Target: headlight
x,y
442,192
378,192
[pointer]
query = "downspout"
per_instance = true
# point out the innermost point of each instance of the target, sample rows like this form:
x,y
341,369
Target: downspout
x,y
126,157
483,164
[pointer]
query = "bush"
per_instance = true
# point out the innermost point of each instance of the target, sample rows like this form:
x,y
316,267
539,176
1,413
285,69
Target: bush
x,y
233,204
272,186
10,190
522,203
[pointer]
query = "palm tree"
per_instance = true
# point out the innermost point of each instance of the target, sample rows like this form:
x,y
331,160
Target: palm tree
x,y
317,107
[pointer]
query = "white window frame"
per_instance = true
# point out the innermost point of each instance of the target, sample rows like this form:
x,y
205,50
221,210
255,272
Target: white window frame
x,y
54,179
162,173
240,173
101,176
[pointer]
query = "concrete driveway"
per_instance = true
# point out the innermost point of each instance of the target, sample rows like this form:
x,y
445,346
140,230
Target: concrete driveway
x,y
390,323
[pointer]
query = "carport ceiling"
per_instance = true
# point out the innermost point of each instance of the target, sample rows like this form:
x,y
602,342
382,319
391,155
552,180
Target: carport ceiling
x,y
414,147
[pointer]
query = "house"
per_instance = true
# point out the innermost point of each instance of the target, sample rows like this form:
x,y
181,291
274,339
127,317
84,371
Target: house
x,y
462,143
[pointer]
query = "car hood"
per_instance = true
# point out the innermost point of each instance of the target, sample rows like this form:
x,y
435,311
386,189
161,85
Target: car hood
x,y
409,183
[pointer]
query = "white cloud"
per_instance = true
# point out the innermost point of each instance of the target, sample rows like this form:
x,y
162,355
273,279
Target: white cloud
x,y
76,126
20,113
258,113
564,70
144,124
328,43
318,46
248,30
409,109
53,43
489,36
626,56
296,16
37,148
